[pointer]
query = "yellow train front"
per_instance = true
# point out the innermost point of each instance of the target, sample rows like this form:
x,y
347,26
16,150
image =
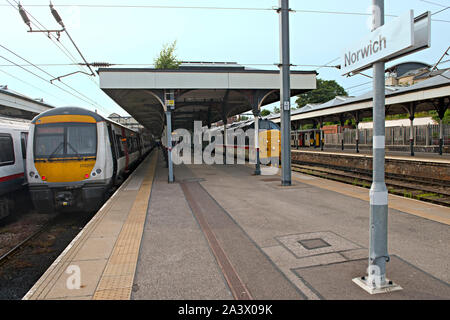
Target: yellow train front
x,y
75,157
269,141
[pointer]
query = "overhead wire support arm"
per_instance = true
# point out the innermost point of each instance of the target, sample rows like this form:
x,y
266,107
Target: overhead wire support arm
x,y
439,61
58,19
27,21
61,23
87,64
69,74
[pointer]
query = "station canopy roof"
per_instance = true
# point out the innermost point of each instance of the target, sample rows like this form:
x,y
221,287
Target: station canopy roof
x,y
425,94
16,105
205,92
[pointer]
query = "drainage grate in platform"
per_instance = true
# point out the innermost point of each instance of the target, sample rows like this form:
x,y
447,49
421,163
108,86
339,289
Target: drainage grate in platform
x,y
311,244
316,243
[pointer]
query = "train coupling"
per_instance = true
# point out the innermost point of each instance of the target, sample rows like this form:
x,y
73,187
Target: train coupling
x,y
64,199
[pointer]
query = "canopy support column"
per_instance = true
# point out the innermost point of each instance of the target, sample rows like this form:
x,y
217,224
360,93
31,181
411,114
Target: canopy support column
x,y
412,111
441,107
342,122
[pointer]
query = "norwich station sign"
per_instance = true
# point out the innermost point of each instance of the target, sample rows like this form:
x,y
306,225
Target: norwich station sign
x,y
399,37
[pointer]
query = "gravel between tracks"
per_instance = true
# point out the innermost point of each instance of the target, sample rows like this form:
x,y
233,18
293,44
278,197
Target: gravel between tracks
x,y
23,269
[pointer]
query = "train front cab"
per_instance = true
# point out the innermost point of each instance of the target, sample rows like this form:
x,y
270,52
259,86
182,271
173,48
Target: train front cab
x,y
305,138
67,167
269,142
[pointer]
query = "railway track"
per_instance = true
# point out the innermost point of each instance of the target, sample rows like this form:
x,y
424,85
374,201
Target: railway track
x,y
24,263
424,189
6,256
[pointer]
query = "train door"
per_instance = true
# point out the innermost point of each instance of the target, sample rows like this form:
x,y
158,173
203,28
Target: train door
x,y
125,146
114,150
139,146
23,144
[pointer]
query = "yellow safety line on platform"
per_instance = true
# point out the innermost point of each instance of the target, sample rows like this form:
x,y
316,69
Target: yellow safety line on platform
x,y
117,279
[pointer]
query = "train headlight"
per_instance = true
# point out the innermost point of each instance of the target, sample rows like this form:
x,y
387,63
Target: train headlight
x,y
31,173
98,171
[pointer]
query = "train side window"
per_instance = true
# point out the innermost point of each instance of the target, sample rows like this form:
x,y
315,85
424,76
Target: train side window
x,y
23,142
6,150
120,145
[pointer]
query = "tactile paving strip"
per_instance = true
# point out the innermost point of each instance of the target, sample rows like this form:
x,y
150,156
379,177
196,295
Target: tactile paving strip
x,y
117,278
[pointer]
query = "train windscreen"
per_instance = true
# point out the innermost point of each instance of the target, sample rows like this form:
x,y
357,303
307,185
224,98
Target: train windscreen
x,y
67,140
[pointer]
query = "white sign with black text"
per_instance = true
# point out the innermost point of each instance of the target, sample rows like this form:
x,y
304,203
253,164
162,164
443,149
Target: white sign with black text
x,y
381,44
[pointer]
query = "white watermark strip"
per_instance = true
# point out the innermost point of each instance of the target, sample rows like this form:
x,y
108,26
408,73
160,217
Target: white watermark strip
x,y
378,198
378,142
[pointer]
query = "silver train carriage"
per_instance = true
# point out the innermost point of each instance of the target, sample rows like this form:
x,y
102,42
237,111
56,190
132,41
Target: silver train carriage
x,y
13,145
75,157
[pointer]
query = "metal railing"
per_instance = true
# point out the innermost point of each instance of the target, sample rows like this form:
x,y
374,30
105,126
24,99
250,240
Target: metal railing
x,y
425,135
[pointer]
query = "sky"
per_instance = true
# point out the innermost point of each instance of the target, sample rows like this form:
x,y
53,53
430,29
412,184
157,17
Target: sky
x,y
248,37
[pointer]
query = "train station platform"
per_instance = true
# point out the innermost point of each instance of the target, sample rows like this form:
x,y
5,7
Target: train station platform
x,y
220,232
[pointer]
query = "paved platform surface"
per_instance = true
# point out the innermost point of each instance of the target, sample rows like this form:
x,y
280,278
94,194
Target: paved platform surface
x,y
219,232
100,262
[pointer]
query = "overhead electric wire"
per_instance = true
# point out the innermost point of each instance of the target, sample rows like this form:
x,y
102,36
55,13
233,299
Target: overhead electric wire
x,y
327,64
70,56
54,40
131,6
47,73
361,89
358,85
41,65
125,6
435,3
85,99
33,86
65,51
440,11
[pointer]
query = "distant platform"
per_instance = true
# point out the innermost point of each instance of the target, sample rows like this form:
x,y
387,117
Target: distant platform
x,y
425,156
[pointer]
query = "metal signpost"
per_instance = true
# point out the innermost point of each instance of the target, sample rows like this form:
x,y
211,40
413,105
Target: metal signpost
x,y
170,105
401,36
285,94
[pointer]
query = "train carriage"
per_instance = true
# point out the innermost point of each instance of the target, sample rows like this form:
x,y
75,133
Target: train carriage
x,y
13,141
305,138
75,157
269,141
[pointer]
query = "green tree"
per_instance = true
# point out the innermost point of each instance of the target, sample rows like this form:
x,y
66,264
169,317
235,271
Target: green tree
x,y
445,120
265,112
326,90
167,58
276,110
